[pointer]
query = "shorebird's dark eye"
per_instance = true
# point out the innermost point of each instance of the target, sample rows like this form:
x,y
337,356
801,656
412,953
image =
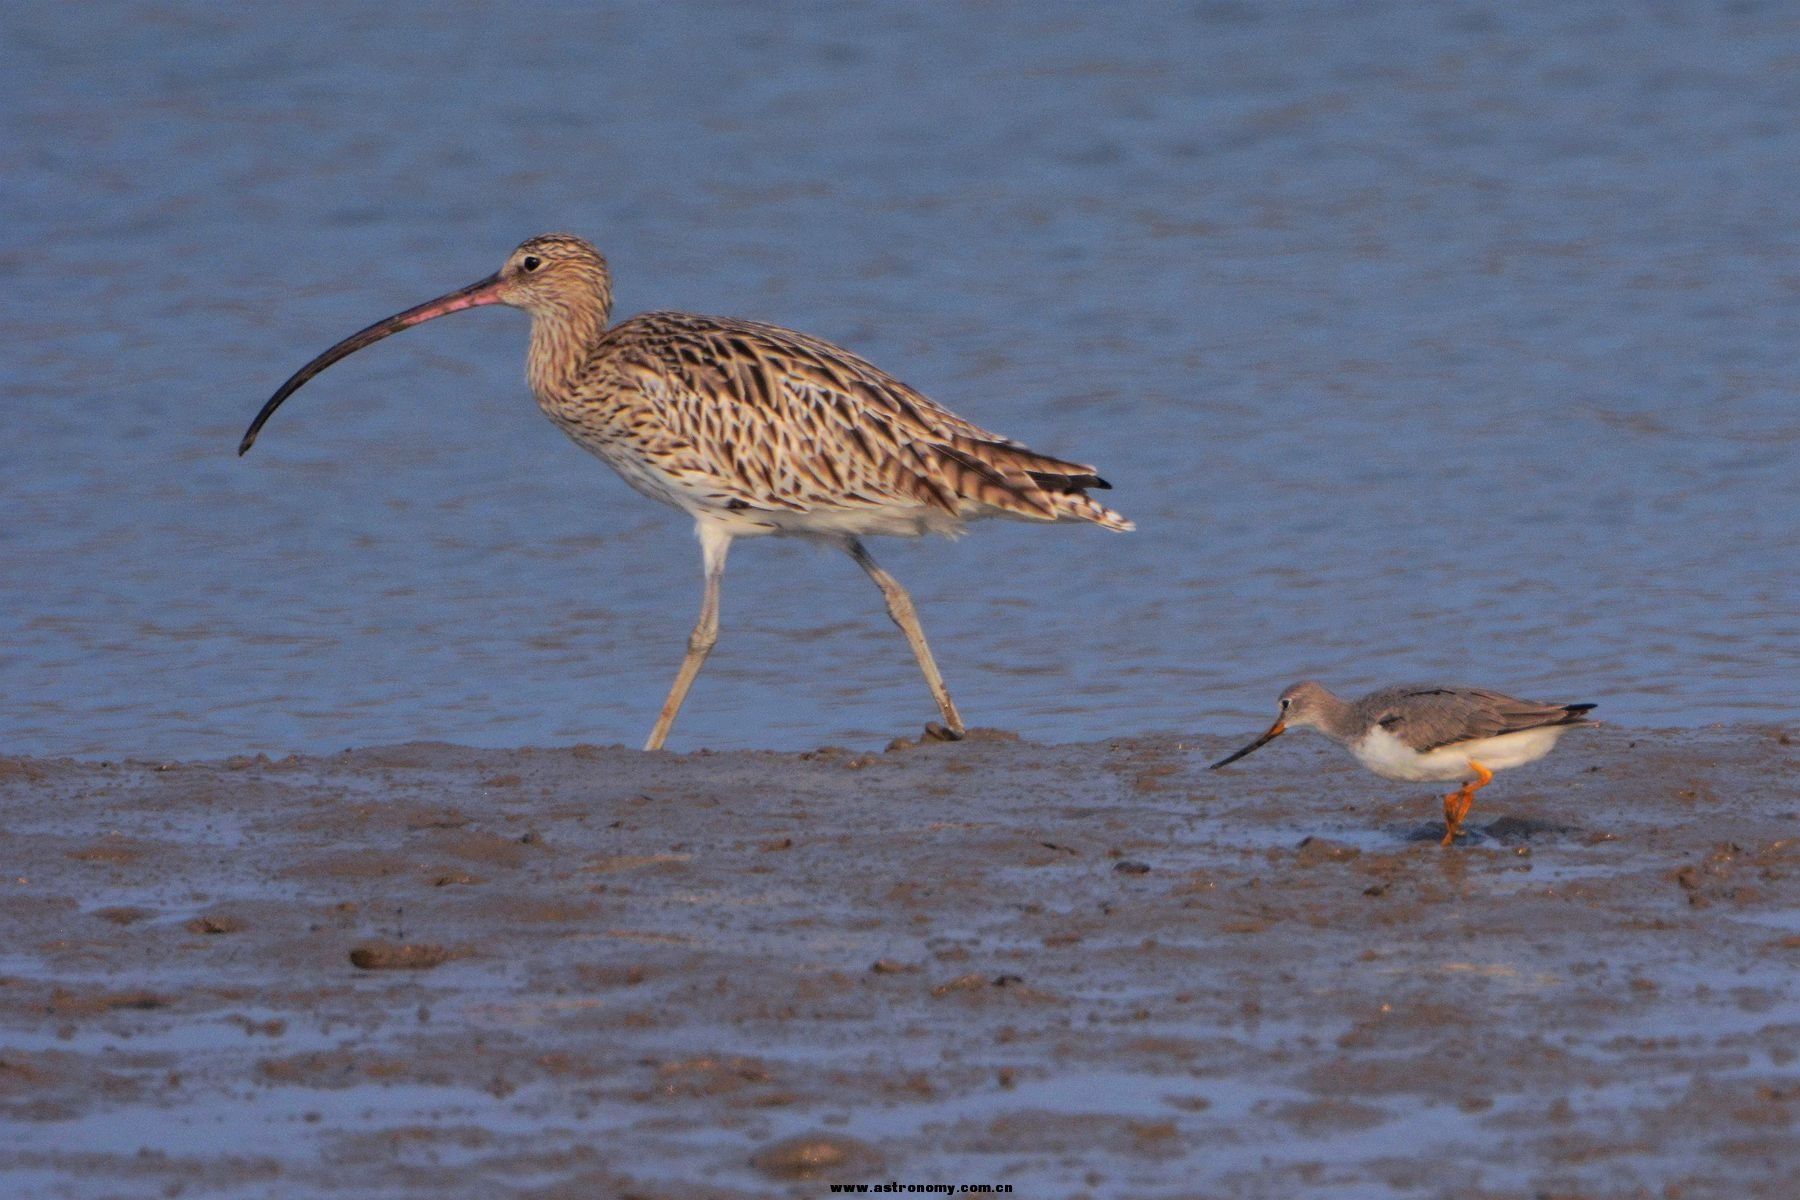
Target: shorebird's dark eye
x,y
531,262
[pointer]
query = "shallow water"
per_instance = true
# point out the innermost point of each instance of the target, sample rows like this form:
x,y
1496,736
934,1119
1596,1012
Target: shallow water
x,y
1453,343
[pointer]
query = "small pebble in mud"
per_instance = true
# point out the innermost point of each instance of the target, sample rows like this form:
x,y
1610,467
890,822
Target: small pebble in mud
x,y
1152,1131
394,956
124,914
812,1154
1314,850
215,923
1129,867
108,854
962,983
888,966
66,1003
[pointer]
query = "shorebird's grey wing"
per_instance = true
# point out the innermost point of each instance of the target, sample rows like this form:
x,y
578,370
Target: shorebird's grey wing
x,y
1427,717
787,420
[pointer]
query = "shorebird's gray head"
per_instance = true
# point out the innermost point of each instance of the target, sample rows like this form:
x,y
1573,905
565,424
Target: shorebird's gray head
x,y
1306,704
1303,704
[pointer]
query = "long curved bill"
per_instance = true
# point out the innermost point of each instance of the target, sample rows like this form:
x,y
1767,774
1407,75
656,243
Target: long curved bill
x,y
484,291
1275,731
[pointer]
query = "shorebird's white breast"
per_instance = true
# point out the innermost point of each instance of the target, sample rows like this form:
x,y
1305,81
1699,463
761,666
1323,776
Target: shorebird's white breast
x,y
1391,758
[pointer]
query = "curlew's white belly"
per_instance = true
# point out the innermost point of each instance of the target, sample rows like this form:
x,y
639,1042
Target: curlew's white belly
x,y
690,487
1391,758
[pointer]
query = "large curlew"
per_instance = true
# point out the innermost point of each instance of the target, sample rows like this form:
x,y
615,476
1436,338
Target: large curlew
x,y
751,429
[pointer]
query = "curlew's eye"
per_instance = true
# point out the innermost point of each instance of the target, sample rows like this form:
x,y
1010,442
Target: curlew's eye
x,y
1284,705
530,262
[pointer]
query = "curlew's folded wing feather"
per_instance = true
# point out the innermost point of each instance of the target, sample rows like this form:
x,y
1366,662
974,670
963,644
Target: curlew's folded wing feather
x,y
1428,716
783,419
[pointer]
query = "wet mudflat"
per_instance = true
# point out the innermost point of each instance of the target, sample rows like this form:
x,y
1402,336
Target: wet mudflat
x,y
1092,970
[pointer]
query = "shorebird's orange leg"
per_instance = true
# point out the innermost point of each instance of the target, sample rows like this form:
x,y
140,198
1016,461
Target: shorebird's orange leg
x,y
1458,803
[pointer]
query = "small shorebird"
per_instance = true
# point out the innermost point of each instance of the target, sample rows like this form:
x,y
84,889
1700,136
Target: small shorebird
x,y
1422,731
751,429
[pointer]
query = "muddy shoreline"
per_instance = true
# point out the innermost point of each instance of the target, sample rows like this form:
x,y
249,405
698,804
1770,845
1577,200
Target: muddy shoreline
x,y
1090,970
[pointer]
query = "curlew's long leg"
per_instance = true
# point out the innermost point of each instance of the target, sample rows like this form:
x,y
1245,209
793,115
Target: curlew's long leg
x,y
1458,803
714,544
900,608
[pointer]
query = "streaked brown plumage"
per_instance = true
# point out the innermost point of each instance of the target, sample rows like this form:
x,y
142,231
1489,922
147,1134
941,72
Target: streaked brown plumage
x,y
751,429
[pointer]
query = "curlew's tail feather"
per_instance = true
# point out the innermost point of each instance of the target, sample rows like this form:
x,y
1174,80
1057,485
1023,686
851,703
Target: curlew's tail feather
x,y
1054,481
1080,507
1025,482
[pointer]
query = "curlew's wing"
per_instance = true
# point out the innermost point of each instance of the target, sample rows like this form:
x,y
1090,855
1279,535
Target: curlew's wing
x,y
785,420
1426,717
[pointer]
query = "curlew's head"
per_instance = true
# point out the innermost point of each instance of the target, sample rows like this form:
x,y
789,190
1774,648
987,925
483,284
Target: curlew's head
x,y
551,274
558,278
1302,704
